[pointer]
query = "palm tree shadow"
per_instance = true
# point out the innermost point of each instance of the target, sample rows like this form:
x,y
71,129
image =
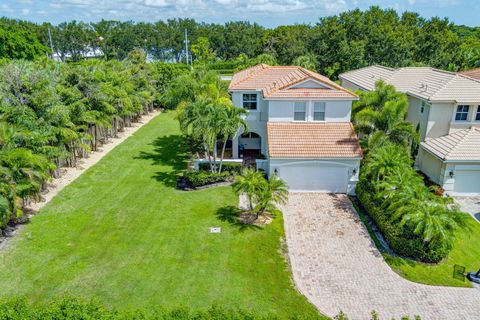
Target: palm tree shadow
x,y
169,151
231,214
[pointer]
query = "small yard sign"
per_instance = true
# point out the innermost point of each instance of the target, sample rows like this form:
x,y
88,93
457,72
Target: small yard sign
x,y
215,229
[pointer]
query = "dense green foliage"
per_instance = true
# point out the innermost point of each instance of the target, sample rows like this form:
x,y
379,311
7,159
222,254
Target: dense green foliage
x,y
415,222
19,41
122,234
380,116
201,177
350,40
74,309
51,114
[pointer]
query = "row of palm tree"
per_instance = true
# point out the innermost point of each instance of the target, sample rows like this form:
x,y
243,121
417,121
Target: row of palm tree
x,y
52,113
206,113
406,200
389,141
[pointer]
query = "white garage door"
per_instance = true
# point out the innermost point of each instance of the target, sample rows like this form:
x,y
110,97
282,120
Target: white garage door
x,y
315,177
467,181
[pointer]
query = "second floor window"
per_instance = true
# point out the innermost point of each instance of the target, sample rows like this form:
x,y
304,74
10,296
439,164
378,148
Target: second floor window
x,y
319,111
250,101
300,111
477,116
462,113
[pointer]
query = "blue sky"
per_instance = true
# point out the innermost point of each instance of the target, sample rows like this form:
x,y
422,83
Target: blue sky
x,y
266,12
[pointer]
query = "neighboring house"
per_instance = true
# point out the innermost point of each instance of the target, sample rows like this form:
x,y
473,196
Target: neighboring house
x,y
445,106
475,73
299,122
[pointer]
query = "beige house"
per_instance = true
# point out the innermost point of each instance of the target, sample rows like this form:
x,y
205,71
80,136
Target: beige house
x,y
446,108
299,128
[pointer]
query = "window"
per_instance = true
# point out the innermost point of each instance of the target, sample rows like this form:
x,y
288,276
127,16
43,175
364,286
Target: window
x,y
300,111
319,111
250,101
462,113
477,116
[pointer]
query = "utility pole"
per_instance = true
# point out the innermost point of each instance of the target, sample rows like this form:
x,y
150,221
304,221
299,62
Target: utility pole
x,y
50,40
186,46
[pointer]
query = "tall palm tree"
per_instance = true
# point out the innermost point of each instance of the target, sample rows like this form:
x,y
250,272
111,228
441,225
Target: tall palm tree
x,y
232,122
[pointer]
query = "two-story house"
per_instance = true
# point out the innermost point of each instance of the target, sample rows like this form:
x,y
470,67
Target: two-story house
x,y
299,121
445,106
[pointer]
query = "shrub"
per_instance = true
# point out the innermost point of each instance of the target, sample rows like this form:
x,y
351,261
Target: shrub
x,y
414,222
73,309
201,178
226,166
402,240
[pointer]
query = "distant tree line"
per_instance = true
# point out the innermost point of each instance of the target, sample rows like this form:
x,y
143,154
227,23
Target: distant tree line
x,y
335,44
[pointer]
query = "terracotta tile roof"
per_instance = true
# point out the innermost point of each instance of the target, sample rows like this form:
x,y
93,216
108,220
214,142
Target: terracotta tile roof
x,y
277,82
424,82
312,140
457,146
475,73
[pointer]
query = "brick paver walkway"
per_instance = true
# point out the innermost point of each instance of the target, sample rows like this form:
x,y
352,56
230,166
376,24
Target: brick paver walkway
x,y
337,267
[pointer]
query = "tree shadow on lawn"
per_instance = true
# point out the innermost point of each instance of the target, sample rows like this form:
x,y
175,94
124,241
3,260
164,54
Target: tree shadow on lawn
x,y
231,214
170,151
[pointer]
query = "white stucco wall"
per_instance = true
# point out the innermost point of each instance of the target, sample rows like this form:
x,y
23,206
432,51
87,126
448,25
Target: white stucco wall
x,y
256,120
431,166
416,116
439,119
335,111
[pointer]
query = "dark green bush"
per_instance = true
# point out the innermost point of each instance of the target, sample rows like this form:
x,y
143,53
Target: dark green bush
x,y
226,166
73,309
402,240
201,178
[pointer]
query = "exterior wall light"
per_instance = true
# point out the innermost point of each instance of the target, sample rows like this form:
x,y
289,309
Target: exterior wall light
x,y
354,172
451,174
275,171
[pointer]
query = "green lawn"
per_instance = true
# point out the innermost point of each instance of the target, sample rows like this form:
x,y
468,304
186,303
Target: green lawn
x,y
123,235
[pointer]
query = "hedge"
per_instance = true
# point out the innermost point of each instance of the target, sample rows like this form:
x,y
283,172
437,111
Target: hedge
x,y
73,309
402,240
226,166
201,178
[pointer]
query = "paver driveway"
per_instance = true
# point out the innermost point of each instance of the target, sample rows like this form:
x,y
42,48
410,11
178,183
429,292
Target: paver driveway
x,y
470,204
337,266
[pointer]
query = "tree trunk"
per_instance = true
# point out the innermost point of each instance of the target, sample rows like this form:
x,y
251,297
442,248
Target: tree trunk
x,y
222,156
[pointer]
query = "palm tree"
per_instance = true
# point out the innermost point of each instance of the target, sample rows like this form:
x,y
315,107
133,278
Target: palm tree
x,y
250,183
231,124
385,162
433,221
274,192
381,117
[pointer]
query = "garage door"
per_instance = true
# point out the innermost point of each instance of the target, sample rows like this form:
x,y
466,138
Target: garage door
x,y
315,177
467,181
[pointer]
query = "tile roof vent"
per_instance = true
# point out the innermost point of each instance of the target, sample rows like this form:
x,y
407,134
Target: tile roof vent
x,y
424,86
